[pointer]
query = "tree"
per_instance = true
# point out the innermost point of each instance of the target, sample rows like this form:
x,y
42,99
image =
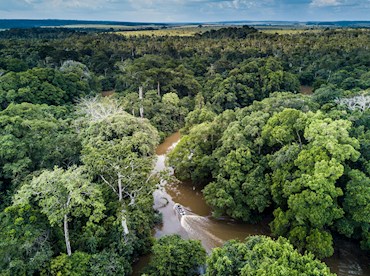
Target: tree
x,y
25,241
196,117
42,86
361,102
78,68
175,256
260,255
119,149
309,189
34,137
75,264
241,189
62,196
357,208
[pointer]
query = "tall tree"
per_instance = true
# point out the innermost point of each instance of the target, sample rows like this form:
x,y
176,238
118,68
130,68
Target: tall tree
x,y
63,195
119,149
310,190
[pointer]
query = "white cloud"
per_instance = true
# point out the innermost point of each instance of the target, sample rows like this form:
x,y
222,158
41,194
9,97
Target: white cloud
x,y
325,3
70,4
240,4
77,3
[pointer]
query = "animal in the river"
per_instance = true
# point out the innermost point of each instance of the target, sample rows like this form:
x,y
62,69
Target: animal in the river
x,y
179,209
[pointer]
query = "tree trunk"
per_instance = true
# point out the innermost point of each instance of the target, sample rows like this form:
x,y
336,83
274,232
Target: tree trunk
x,y
299,139
66,236
120,197
124,223
141,102
159,89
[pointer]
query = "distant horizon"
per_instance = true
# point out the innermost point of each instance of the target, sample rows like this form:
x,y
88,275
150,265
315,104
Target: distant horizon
x,y
181,22
168,11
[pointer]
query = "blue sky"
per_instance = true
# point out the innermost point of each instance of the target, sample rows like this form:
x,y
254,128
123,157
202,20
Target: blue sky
x,y
187,10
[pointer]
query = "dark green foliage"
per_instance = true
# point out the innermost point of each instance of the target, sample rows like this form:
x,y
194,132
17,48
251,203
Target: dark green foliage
x,y
42,86
260,255
192,158
167,113
35,137
233,32
109,263
253,79
357,207
175,256
25,241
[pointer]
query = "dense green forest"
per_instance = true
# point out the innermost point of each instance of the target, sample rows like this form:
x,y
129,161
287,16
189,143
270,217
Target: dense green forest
x,y
76,168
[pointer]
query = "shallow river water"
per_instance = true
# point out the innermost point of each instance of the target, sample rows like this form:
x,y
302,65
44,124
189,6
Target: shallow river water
x,y
198,223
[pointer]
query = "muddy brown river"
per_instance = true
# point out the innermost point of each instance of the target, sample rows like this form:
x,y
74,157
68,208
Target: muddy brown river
x,y
199,224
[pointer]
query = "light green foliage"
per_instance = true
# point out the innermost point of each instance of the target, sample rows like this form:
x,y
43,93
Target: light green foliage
x,y
333,136
118,150
285,127
74,265
81,263
75,67
53,189
311,195
357,200
63,193
260,255
175,256
120,147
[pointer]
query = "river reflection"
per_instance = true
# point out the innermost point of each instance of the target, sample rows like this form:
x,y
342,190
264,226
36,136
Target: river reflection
x,y
198,223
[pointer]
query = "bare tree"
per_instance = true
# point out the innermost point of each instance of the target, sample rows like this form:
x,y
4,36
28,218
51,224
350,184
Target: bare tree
x,y
360,102
98,109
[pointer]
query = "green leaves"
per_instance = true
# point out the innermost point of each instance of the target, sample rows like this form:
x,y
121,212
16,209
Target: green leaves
x,y
333,136
34,137
285,127
42,86
175,256
312,193
63,194
271,152
260,255
25,240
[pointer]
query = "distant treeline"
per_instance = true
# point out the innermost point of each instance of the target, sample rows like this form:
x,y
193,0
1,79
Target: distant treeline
x,y
230,32
29,23
40,33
